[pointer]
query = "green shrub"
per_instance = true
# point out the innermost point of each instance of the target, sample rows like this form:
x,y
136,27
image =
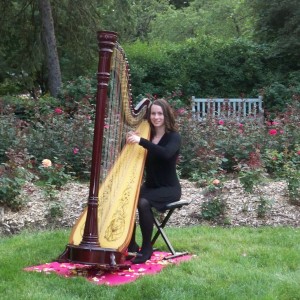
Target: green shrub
x,y
204,66
48,131
77,93
250,178
10,189
26,108
291,173
13,175
278,95
212,209
66,140
199,158
264,206
55,211
222,146
54,176
9,134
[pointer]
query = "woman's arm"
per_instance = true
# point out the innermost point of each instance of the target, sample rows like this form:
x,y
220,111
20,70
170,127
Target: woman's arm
x,y
165,151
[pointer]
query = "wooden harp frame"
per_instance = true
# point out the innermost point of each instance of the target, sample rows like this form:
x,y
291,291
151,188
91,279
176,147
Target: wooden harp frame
x,y
89,251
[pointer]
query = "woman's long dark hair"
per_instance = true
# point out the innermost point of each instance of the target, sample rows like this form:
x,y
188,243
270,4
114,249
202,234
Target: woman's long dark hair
x,y
170,124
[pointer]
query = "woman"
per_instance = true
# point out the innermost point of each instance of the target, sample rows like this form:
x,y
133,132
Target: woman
x,y
161,184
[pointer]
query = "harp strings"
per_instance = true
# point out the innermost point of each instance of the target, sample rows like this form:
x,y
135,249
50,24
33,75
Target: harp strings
x,y
115,131
115,126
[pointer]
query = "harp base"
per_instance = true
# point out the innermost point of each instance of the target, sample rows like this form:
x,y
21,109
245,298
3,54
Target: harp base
x,y
104,258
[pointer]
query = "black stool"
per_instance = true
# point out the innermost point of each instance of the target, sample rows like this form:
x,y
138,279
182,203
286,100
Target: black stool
x,y
169,209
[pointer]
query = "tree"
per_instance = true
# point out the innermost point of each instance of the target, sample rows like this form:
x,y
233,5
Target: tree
x,y
20,51
48,34
23,59
277,24
223,19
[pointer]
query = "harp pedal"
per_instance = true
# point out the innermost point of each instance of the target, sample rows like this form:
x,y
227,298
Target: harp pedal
x,y
131,255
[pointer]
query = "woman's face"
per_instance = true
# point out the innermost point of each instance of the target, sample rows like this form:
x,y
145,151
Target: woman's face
x,y
157,117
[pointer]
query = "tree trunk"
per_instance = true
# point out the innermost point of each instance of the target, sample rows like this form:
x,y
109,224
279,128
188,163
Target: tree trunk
x,y
48,35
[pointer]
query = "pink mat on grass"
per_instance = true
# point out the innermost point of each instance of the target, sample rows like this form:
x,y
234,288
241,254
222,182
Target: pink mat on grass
x,y
152,266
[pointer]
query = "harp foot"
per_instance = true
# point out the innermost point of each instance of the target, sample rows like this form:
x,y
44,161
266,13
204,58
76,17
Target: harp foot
x,y
93,255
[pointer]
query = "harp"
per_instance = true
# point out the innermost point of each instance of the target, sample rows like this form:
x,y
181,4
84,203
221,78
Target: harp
x,y
103,231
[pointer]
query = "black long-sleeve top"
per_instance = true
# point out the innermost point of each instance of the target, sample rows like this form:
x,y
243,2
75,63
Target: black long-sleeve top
x,y
161,161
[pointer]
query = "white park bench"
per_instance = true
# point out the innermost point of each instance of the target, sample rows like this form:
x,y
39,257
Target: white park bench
x,y
222,108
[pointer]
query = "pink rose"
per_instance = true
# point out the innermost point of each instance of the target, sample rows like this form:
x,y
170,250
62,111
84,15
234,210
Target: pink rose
x,y
272,131
181,111
221,122
75,150
58,110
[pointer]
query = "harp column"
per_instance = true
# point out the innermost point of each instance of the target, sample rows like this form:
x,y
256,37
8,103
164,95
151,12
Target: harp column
x,y
106,41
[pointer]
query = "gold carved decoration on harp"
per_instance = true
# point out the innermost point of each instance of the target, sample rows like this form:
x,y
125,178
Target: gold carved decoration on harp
x,y
103,231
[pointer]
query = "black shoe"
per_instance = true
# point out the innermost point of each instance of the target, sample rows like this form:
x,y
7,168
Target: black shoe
x,y
133,251
143,257
133,248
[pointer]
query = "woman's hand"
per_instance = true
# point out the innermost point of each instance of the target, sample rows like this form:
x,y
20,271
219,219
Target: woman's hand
x,y
132,137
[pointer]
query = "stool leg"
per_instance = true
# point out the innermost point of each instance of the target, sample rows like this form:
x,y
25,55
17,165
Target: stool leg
x,y
160,231
160,225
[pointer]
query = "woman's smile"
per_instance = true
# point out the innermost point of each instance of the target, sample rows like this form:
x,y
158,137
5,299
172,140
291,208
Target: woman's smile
x,y
157,117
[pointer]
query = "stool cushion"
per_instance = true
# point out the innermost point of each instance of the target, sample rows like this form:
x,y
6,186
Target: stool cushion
x,y
176,204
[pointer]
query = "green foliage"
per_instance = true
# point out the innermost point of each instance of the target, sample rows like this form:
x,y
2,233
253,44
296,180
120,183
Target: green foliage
x,y
47,131
198,157
264,206
210,48
19,37
214,206
141,16
277,96
8,133
25,107
248,147
68,140
278,24
78,92
250,178
274,161
54,176
55,211
22,53
9,87
224,19
208,67
213,209
10,189
13,175
291,172
151,68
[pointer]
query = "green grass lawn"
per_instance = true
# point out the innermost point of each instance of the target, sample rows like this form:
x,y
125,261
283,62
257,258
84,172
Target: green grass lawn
x,y
230,263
